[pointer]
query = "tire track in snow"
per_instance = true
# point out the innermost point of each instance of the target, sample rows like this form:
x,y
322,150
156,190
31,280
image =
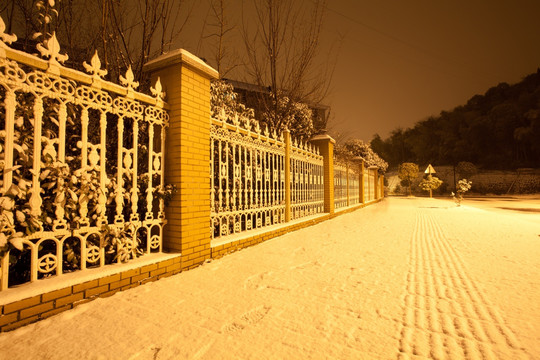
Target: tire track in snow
x,y
446,315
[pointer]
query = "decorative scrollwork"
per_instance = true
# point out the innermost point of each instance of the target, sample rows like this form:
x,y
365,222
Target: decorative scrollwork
x,y
47,263
5,38
92,254
58,101
129,80
157,90
51,49
155,242
94,68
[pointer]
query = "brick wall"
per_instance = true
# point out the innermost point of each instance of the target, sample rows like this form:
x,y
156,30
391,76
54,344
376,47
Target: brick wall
x,y
39,307
186,80
223,249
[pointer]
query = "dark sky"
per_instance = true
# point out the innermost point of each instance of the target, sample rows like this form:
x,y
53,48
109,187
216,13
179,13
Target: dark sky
x,y
402,61
399,62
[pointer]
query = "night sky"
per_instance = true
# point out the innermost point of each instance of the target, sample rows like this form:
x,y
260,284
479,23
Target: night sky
x,y
398,62
402,61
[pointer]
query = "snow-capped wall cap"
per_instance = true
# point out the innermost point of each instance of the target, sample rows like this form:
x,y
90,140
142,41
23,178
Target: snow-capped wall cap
x,y
323,137
181,56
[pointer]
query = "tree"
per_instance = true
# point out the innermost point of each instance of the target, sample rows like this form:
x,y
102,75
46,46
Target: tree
x,y
132,32
466,169
357,148
495,130
281,43
224,103
463,186
430,183
220,27
126,33
407,172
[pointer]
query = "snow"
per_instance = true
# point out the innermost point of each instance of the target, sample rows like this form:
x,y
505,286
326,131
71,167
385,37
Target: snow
x,y
69,279
405,278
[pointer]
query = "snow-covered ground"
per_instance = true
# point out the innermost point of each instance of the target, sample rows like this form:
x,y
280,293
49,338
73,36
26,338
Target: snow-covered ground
x,y
405,278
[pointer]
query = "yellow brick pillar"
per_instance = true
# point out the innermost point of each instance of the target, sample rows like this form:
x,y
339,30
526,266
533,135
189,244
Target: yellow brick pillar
x,y
325,143
361,184
287,138
186,81
376,183
347,182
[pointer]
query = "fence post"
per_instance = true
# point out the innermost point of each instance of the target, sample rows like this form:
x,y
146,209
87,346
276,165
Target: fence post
x,y
287,136
348,184
326,149
376,183
361,184
382,186
186,81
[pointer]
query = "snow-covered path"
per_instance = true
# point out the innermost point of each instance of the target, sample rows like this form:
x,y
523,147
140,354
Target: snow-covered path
x,y
405,278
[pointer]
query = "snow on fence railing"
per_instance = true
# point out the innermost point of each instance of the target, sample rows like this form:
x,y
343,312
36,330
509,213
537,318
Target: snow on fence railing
x,y
82,165
248,176
307,181
346,183
354,185
369,184
340,184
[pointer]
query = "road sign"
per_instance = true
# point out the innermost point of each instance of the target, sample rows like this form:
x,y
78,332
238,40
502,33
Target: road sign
x,y
430,170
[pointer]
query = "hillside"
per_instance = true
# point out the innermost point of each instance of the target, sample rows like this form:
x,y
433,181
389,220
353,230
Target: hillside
x,y
497,130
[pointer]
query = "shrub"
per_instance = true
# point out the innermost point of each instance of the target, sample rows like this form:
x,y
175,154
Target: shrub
x,y
407,172
430,183
463,186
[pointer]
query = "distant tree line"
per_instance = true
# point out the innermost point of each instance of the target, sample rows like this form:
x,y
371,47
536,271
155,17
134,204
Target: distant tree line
x,y
497,130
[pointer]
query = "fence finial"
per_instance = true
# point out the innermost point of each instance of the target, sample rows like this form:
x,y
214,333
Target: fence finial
x,y
247,123
157,90
52,50
94,68
5,38
129,80
236,121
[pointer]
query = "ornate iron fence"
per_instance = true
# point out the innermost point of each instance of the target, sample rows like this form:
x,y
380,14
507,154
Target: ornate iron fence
x,y
340,184
354,184
248,177
82,164
307,185
370,179
346,183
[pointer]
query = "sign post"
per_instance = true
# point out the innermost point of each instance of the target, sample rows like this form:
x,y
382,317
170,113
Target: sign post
x,y
430,170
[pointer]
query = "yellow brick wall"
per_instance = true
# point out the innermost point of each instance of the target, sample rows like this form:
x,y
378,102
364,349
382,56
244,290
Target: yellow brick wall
x,y
326,149
39,307
362,187
187,157
224,249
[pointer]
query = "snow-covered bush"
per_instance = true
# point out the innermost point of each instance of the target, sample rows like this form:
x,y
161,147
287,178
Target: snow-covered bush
x,y
224,104
285,113
430,183
358,148
463,186
407,172
466,169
